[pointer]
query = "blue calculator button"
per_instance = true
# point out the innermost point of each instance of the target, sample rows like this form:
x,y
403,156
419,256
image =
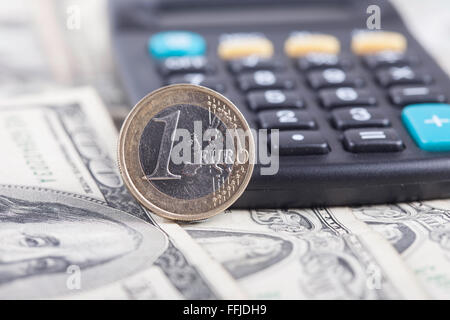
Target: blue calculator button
x,y
429,125
176,44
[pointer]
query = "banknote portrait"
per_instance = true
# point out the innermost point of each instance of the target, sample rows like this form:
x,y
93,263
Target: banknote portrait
x,y
44,232
399,235
241,253
404,225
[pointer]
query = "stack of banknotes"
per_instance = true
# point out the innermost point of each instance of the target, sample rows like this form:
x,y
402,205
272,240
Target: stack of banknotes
x,y
69,229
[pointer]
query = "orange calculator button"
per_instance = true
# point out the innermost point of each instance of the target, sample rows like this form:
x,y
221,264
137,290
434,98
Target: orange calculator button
x,y
303,43
370,42
236,47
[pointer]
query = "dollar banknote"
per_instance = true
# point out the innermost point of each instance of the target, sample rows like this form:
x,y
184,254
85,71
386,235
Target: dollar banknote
x,y
420,233
68,226
24,66
88,57
306,254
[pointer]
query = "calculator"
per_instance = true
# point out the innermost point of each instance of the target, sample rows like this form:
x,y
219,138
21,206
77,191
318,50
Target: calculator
x,y
363,114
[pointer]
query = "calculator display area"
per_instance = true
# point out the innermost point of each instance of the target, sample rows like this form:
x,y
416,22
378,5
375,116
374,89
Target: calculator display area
x,y
248,16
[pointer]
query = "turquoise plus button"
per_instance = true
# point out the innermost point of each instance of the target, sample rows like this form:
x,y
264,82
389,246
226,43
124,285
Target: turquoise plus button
x,y
429,125
176,44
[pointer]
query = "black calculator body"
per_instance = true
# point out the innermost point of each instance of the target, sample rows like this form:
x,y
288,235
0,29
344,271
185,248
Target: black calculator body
x,y
352,145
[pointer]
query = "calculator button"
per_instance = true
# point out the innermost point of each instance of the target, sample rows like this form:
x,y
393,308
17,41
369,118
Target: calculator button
x,y
274,99
199,79
300,143
173,65
372,140
176,43
358,117
243,45
403,96
286,119
429,125
369,42
402,75
389,59
303,43
346,96
333,77
253,63
265,79
321,61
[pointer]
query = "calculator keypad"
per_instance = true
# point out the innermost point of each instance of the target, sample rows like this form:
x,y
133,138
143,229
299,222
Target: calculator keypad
x,y
402,76
300,143
429,125
358,117
389,59
253,63
265,79
274,87
286,119
314,61
333,77
173,65
402,96
346,96
176,44
201,79
303,43
244,45
370,42
274,99
372,140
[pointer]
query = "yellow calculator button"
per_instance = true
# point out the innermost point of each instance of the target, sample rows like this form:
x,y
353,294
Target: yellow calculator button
x,y
302,44
240,47
369,42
